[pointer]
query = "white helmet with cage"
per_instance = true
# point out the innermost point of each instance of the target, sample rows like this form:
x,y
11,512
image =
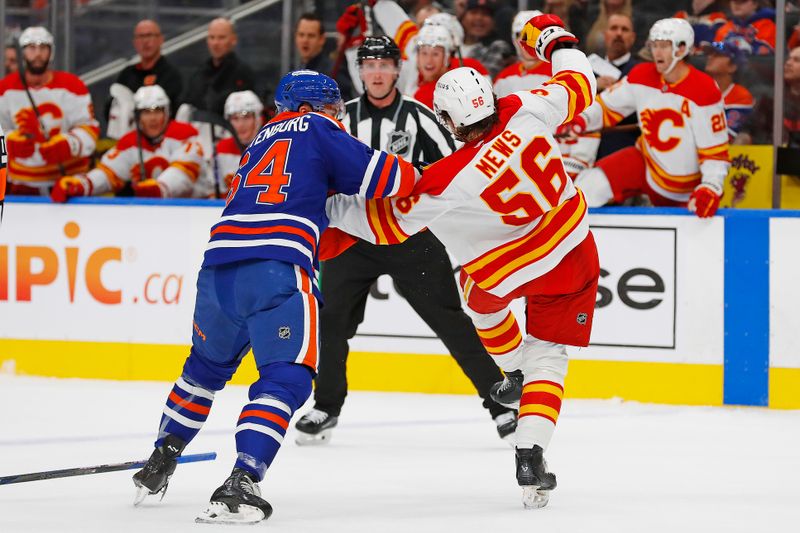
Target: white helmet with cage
x,y
36,35
151,97
451,23
436,35
520,19
465,96
243,103
678,32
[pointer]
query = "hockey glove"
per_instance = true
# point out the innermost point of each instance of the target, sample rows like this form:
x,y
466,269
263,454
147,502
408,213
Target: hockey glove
x,y
19,145
704,201
69,186
28,124
59,148
544,34
149,189
352,25
572,129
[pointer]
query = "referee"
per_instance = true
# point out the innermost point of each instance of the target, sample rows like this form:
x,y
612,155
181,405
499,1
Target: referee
x,y
420,267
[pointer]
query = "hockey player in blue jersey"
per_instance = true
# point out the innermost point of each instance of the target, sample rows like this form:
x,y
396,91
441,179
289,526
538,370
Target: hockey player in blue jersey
x,y
257,287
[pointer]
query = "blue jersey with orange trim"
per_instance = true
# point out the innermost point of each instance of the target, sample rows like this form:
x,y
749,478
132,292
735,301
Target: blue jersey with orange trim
x,y
276,206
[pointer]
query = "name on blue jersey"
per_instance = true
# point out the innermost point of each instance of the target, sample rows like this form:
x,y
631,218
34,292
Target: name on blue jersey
x,y
293,124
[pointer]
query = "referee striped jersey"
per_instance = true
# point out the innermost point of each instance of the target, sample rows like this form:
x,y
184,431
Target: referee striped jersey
x,y
406,128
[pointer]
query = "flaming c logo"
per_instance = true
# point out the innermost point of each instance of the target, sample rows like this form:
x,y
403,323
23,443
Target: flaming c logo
x,y
28,256
651,121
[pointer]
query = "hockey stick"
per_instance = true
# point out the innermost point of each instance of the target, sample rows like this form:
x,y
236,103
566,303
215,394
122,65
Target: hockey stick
x,y
100,469
213,119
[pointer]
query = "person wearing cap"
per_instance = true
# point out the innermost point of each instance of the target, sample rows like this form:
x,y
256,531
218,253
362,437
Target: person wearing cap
x,y
420,267
244,110
481,41
723,62
53,131
160,158
152,68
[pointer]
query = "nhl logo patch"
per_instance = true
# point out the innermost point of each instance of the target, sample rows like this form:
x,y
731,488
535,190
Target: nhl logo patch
x,y
284,332
399,142
581,318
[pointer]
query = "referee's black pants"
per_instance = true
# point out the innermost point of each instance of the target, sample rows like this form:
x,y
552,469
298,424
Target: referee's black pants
x,y
421,269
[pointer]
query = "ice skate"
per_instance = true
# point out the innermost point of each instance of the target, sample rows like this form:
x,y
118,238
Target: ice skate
x,y
314,428
507,426
154,477
533,477
509,391
237,501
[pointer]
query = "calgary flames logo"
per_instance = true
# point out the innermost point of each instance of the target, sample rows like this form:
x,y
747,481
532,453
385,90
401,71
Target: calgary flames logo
x,y
651,121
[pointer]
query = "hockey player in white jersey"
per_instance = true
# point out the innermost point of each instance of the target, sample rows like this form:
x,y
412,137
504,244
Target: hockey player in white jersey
x,y
243,109
682,158
161,158
49,118
505,208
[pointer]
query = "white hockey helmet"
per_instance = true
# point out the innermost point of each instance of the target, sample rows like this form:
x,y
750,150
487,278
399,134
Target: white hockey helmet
x,y
36,35
520,19
464,95
678,32
242,103
151,97
435,35
451,23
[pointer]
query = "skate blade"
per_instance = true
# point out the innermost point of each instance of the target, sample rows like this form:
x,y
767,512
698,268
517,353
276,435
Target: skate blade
x,y
308,439
218,513
141,493
534,498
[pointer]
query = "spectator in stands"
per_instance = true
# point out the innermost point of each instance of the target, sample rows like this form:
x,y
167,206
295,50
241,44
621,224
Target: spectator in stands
x,y
309,40
757,26
723,62
152,68
481,40
572,12
57,137
425,12
159,159
222,73
595,41
10,59
758,129
706,18
619,38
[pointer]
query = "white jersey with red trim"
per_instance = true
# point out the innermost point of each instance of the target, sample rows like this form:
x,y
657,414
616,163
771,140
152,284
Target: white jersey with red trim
x,y
228,156
684,133
64,106
516,77
502,205
176,163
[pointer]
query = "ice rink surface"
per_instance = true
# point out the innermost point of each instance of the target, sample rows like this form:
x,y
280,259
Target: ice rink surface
x,y
406,463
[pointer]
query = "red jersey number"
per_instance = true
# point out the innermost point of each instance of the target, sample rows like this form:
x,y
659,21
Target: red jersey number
x,y
547,174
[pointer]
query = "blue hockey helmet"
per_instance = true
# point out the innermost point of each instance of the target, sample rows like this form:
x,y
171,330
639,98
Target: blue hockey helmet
x,y
309,87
